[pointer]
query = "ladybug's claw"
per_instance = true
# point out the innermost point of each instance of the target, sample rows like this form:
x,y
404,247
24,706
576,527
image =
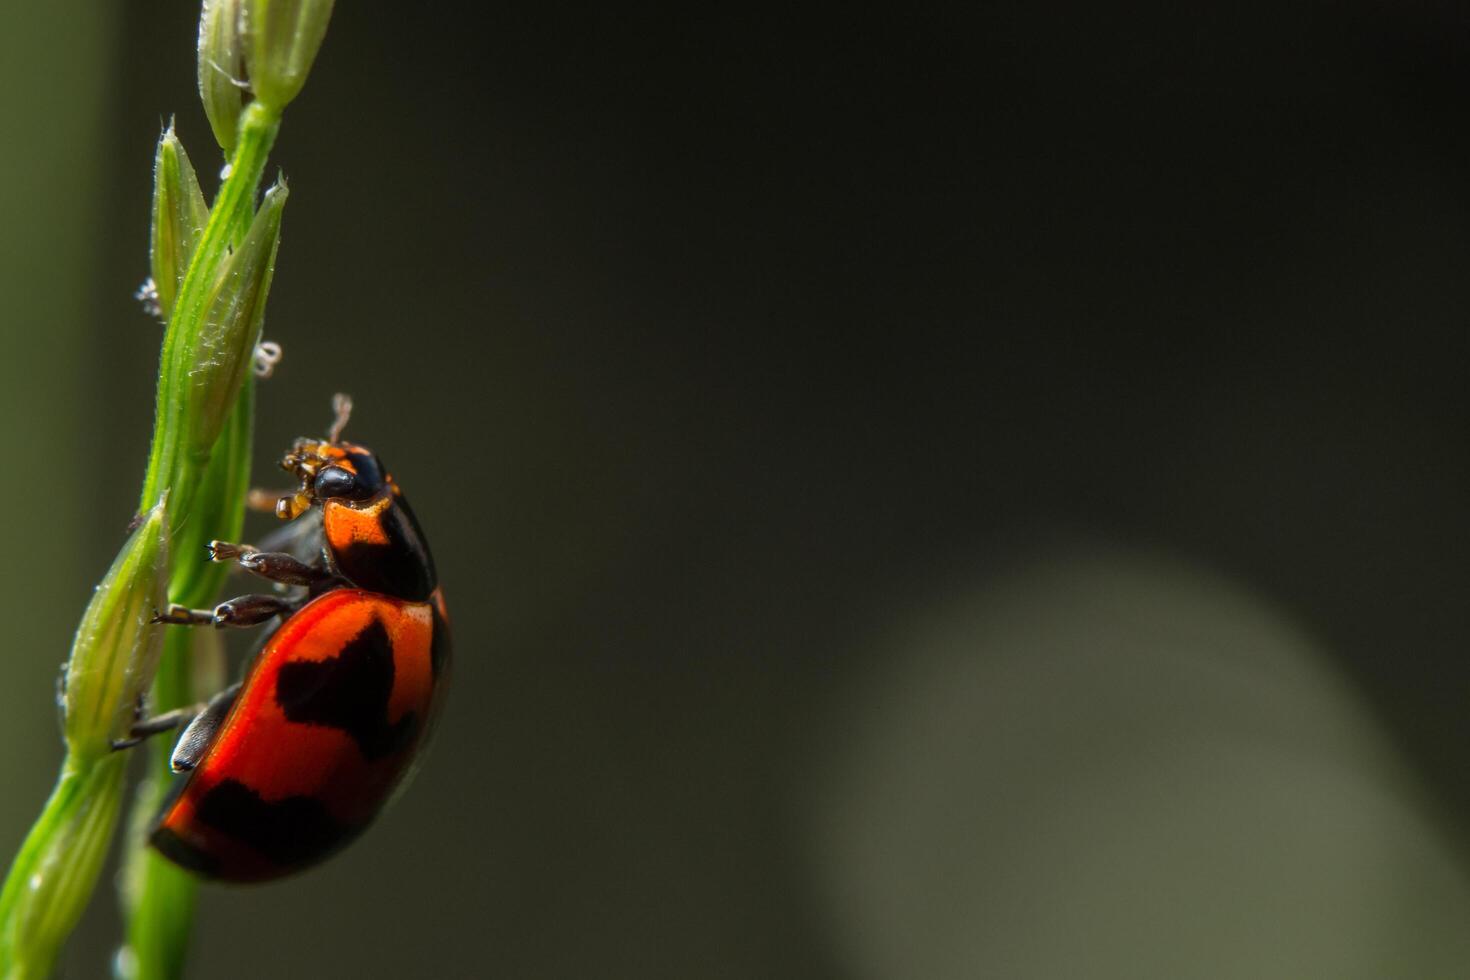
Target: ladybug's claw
x,y
224,551
178,615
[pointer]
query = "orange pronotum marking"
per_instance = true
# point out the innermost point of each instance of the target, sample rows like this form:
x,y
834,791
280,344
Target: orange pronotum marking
x,y
346,526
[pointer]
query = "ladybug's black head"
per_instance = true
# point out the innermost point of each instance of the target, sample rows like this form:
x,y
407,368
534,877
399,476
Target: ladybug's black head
x,y
352,473
332,469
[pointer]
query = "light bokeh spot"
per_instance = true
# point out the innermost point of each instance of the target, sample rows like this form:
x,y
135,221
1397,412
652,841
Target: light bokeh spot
x,y
1108,764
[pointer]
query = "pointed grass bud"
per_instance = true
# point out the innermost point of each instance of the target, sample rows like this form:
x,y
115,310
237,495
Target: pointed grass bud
x,y
221,64
233,314
117,644
283,38
179,217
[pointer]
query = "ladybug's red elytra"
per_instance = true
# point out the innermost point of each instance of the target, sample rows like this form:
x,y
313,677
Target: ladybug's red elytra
x,y
292,763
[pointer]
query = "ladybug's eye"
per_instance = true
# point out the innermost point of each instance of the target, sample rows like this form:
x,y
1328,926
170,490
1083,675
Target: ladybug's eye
x,y
334,481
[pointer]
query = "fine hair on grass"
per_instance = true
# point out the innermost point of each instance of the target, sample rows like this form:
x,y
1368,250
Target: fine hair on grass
x,y
211,265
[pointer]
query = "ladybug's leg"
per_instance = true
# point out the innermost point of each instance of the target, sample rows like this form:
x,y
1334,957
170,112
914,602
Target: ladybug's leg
x,y
200,732
277,566
145,727
264,501
242,611
178,615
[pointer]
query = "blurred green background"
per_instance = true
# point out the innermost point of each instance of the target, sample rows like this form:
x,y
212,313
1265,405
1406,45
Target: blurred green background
x,y
921,496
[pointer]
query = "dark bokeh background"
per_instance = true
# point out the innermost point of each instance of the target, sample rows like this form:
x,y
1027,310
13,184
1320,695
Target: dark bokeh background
x,y
732,356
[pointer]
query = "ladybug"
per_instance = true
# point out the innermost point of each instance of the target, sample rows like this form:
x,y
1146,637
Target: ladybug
x,y
293,762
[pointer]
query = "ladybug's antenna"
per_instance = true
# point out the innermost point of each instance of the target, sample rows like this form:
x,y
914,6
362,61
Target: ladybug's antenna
x,y
342,411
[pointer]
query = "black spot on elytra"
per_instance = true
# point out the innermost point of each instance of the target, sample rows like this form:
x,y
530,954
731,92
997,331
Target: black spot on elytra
x,y
184,854
439,645
294,831
350,691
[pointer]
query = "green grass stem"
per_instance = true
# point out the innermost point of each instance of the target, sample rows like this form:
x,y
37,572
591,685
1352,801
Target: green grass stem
x,y
212,274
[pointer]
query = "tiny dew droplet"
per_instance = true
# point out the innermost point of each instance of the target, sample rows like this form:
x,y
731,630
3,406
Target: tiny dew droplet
x,y
267,356
147,294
